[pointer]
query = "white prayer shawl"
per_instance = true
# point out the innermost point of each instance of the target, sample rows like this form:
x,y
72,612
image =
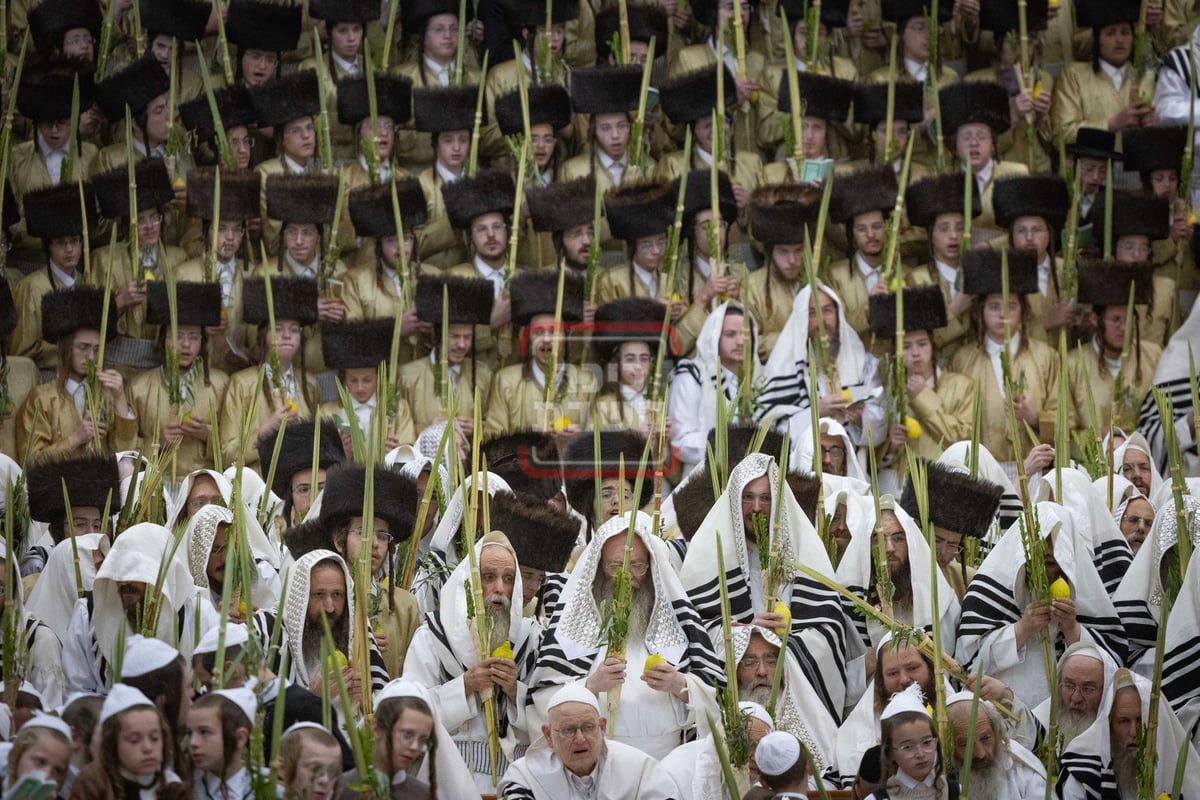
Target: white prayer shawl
x,y
802,452
454,778
442,556
695,768
574,645
1086,764
53,596
447,645
1174,98
959,455
253,488
177,501
1041,712
1123,492
197,546
622,773
1023,773
997,596
821,637
1095,528
1173,376
1136,441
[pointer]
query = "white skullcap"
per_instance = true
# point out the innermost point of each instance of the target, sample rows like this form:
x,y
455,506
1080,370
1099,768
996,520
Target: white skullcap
x,y
1088,649
777,752
40,720
244,699
757,712
122,698
962,697
1123,679
574,693
299,726
403,687
27,688
235,634
144,655
910,699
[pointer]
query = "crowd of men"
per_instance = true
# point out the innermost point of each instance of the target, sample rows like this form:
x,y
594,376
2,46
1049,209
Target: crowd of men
x,y
676,377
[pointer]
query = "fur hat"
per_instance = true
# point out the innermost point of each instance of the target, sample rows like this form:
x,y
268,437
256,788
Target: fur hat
x,y
1106,283
55,212
870,102
49,20
154,188
1045,196
867,189
542,537
69,310
302,198
899,11
334,11
295,298
532,13
415,13
1101,13
705,11
784,213
233,106
527,460
982,272
927,199
698,198
8,311
637,209
834,13
1001,16
45,91
393,99
629,319
548,105
562,205
296,452
373,214
693,96
738,439
806,488
282,100
646,22
239,194
92,480
470,299
536,293
196,303
183,19
606,90
260,25
1094,143
357,345
491,191
693,500
1134,213
982,102
395,499
581,460
823,97
439,109
957,502
1148,149
924,310
134,86
307,536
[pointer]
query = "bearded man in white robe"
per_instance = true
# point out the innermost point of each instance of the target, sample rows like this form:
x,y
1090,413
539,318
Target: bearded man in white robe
x,y
1001,769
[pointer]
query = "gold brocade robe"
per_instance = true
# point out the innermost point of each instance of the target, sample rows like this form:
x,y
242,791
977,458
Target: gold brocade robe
x,y
747,170
56,418
986,221
1017,144
152,404
957,330
502,79
1038,305
27,172
272,228
174,216
517,400
944,414
27,339
401,428
843,141
105,260
414,148
361,250
22,378
953,572
439,245
368,295
240,393
398,625
703,56
1091,381
221,346
688,326
341,137
924,149
769,300
418,385
1085,98
1036,367
612,413
314,357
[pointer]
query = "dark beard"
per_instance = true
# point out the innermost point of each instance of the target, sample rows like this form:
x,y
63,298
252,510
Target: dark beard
x,y
314,634
641,605
901,587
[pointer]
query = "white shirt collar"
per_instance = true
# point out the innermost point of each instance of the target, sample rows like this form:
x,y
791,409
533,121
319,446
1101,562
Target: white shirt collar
x,y
301,270
46,150
157,151
730,56
993,347
871,275
705,156
385,168
949,274
909,782
68,281
1044,276
348,67
649,279
607,161
292,166
984,176
455,369
72,386
920,72
440,72
704,267
1117,74
446,175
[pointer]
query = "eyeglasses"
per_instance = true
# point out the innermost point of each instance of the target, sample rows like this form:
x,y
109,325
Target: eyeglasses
x,y
495,227
569,731
408,737
926,745
946,544
152,221
242,141
837,451
380,537
1085,690
753,662
636,568
897,539
87,349
1140,522
653,245
298,130
79,41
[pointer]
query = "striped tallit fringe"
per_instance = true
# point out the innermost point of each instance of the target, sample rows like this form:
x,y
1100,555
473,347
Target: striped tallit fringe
x,y
1098,782
1112,559
1151,425
477,758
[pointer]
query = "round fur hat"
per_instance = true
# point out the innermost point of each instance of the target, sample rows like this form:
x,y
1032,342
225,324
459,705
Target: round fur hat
x,y
415,13
1045,196
470,301
629,319
302,198
233,106
1002,16
1101,13
784,213
49,20
943,194
542,537
983,102
395,499
982,272
957,502
693,500
581,461
868,189
834,13
196,303
535,293
870,102
183,19
283,100
8,311
307,536
439,109
295,298
357,345
393,99
532,13
693,96
491,191
739,438
261,25
82,308
373,214
296,452
1148,149
638,209
334,11
134,86
924,310
1094,143
823,97
1134,213
698,198
239,194
527,460
55,212
606,90
548,105
705,11
92,480
899,11
646,22
154,188
1106,283
45,91
562,205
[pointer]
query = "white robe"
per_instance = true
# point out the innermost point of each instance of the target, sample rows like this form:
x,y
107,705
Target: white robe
x,y
622,773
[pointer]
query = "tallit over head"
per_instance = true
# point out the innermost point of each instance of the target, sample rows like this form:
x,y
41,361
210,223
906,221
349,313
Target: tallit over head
x,y
295,608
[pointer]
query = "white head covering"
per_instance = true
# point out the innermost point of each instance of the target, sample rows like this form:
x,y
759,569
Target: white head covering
x,y
244,699
198,542
143,656
122,698
909,700
10,472
777,752
757,712
706,365
236,633
1136,441
461,634
1095,528
454,778
53,597
803,452
49,722
574,693
177,505
295,608
253,487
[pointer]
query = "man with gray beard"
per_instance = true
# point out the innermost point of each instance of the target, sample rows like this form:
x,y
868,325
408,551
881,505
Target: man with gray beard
x,y
1083,671
1001,769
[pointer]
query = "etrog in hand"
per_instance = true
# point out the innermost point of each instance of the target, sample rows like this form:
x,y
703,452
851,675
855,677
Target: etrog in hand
x,y
337,660
653,661
782,609
503,651
913,427
1059,589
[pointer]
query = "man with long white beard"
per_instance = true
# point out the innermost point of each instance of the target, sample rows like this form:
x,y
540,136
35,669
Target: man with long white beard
x,y
1083,672
1001,769
445,658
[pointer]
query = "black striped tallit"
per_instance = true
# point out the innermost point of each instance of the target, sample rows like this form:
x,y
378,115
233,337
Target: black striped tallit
x,y
1098,781
1181,674
1141,629
1178,60
263,627
1150,424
